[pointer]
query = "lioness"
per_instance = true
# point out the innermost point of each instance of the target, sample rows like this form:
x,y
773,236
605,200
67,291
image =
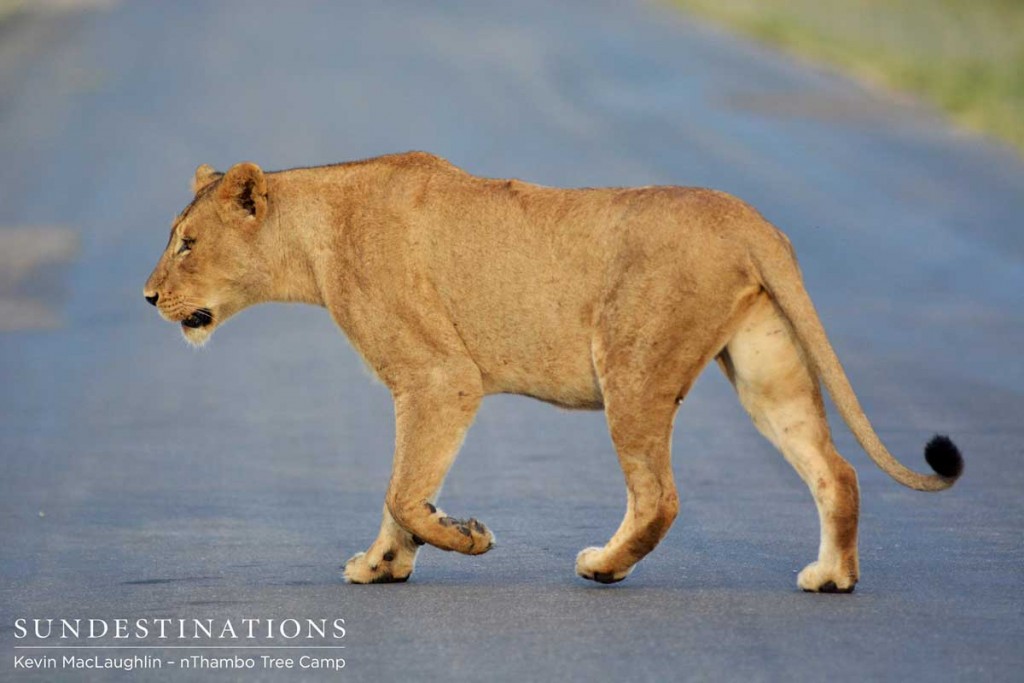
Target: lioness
x,y
453,287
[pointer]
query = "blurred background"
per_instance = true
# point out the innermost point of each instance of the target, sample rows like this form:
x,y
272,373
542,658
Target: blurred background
x,y
139,475
966,56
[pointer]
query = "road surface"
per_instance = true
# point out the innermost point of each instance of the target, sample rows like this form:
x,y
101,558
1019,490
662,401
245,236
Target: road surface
x,y
140,478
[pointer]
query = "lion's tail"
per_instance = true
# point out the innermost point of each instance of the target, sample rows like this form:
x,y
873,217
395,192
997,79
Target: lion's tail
x,y
781,276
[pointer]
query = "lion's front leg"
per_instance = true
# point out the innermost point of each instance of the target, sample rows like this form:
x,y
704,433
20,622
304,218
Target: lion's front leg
x,y
390,559
432,417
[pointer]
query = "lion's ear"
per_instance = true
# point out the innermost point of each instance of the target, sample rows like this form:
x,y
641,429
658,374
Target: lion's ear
x,y
205,175
242,194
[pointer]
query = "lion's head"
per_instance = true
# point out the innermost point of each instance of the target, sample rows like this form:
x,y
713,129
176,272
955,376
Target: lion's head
x,y
210,268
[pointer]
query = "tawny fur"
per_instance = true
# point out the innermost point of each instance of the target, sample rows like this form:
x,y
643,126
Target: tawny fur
x,y
453,287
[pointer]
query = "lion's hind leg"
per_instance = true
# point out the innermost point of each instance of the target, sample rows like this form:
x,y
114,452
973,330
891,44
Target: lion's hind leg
x,y
777,388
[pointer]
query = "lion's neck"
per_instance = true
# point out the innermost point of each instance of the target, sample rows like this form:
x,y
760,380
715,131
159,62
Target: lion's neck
x,y
290,255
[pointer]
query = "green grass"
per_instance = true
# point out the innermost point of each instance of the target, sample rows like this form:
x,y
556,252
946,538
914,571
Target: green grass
x,y
966,56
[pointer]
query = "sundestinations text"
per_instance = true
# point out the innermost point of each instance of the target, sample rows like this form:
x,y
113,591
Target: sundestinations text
x,y
181,629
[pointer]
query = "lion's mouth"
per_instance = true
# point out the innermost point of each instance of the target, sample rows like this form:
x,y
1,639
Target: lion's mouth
x,y
199,318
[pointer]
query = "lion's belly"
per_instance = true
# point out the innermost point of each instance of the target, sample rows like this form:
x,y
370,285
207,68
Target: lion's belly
x,y
562,374
522,289
535,343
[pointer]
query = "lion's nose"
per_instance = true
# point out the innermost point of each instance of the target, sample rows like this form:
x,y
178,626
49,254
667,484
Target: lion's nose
x,y
151,298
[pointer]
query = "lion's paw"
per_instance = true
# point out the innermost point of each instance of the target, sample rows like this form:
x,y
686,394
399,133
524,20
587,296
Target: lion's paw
x,y
819,578
468,536
590,564
390,567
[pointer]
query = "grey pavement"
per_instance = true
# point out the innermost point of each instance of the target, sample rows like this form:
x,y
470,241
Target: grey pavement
x,y
141,478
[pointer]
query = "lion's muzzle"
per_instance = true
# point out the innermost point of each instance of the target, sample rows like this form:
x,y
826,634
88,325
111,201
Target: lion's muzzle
x,y
199,318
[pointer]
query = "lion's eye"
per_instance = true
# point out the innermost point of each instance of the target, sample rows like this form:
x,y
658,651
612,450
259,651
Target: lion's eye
x,y
186,245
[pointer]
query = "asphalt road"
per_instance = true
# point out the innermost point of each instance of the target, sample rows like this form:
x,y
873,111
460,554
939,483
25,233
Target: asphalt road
x,y
140,478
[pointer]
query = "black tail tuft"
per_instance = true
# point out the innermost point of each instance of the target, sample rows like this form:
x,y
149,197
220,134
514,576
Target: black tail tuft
x,y
944,457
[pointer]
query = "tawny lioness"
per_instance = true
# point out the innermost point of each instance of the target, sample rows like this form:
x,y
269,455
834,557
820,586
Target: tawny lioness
x,y
453,287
